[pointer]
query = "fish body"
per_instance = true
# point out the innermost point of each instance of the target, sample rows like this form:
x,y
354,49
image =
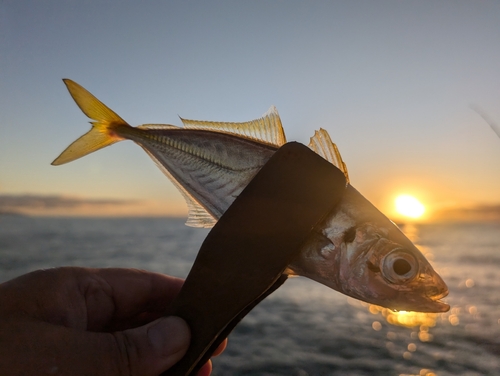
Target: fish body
x,y
356,250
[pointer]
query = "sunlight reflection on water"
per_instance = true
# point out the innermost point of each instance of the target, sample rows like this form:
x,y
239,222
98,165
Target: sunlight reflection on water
x,y
423,324
423,320
304,328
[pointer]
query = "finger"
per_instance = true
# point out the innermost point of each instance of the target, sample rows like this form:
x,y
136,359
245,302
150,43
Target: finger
x,y
124,323
85,298
220,349
126,296
36,348
132,288
206,369
152,349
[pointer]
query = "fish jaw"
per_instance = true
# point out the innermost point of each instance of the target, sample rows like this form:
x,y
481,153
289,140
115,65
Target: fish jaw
x,y
359,252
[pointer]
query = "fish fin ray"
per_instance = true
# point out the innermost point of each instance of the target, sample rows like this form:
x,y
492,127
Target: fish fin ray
x,y
90,105
91,141
322,144
102,133
267,129
158,126
198,216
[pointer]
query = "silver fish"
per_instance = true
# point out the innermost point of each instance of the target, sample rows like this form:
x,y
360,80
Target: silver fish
x,y
356,250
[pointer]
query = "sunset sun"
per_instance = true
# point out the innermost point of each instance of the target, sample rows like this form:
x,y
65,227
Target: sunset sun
x,y
409,206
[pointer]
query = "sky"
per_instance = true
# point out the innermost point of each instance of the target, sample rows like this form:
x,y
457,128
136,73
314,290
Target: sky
x,y
397,84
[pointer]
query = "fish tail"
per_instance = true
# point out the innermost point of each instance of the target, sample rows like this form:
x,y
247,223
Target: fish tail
x,y
105,125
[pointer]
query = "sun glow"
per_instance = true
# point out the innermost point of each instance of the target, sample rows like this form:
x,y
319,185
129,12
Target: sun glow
x,y
409,206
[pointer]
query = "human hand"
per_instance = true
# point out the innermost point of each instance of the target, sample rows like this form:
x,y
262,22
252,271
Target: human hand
x,y
81,321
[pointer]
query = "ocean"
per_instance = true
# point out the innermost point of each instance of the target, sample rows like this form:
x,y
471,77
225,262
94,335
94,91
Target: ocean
x,y
303,328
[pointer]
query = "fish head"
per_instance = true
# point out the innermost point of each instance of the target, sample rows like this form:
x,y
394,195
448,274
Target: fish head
x,y
358,251
381,271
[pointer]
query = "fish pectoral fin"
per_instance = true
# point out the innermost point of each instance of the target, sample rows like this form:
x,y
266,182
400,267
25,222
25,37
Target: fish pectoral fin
x,y
267,129
104,127
322,144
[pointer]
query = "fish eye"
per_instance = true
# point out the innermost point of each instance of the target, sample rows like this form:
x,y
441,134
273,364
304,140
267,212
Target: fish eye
x,y
399,266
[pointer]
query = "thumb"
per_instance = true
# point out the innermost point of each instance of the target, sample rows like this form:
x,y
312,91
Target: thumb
x,y
153,348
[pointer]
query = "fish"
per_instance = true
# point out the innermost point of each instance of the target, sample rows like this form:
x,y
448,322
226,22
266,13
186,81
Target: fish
x,y
355,250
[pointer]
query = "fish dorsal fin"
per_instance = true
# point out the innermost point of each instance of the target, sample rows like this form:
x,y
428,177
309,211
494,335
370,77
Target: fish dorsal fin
x,y
198,216
266,129
322,144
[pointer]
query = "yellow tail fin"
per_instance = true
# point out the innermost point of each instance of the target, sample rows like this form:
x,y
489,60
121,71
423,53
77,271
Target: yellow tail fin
x,y
102,133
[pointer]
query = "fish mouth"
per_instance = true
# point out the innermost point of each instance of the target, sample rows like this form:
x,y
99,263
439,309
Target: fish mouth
x,y
430,302
424,304
439,296
439,305
427,298
436,291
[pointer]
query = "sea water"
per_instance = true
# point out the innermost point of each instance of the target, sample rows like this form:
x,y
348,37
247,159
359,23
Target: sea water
x,y
304,328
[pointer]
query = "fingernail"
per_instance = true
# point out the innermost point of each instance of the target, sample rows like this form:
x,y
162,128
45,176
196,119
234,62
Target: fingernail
x,y
169,336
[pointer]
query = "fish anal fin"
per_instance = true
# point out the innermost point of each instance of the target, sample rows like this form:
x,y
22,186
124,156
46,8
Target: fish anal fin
x,y
267,129
322,144
198,216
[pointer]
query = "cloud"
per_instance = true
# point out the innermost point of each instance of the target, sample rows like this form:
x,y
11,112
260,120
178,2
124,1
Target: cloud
x,y
60,205
57,205
38,201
